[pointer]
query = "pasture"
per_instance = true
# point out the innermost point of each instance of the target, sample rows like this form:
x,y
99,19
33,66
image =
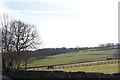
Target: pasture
x,y
106,68
77,57
81,57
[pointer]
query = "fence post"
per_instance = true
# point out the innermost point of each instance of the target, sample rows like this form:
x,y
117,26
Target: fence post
x,y
42,68
75,65
104,62
83,65
118,61
38,69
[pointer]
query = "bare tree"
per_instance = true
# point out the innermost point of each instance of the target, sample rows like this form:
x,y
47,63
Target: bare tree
x,y
17,38
5,35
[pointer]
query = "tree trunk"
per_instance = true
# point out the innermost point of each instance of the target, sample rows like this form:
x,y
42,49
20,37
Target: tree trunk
x,y
3,65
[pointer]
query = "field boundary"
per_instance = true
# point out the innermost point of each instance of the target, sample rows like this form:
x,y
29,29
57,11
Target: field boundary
x,y
74,65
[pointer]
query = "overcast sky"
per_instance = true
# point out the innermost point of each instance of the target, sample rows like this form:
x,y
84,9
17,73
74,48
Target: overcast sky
x,y
68,23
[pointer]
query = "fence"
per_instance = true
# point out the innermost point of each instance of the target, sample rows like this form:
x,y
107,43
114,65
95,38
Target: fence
x,y
74,65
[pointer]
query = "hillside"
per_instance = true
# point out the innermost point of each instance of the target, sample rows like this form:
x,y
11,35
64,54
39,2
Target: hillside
x,y
74,57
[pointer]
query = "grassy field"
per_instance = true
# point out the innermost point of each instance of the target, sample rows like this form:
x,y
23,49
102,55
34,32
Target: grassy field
x,y
107,69
104,68
82,56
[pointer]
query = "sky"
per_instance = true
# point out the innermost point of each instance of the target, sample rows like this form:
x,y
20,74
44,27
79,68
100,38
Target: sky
x,y
68,23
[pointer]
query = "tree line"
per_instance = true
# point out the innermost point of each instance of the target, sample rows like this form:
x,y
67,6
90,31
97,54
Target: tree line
x,y
42,53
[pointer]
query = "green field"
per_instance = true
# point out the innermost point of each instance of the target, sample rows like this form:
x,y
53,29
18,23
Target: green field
x,y
107,68
103,68
81,56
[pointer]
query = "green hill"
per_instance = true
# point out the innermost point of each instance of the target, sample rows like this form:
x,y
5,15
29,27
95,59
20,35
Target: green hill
x,y
81,56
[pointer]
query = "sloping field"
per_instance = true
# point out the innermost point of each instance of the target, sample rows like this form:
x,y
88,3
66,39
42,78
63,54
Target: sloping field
x,y
82,56
106,68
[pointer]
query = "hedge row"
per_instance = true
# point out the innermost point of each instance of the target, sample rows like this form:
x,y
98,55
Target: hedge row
x,y
41,75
